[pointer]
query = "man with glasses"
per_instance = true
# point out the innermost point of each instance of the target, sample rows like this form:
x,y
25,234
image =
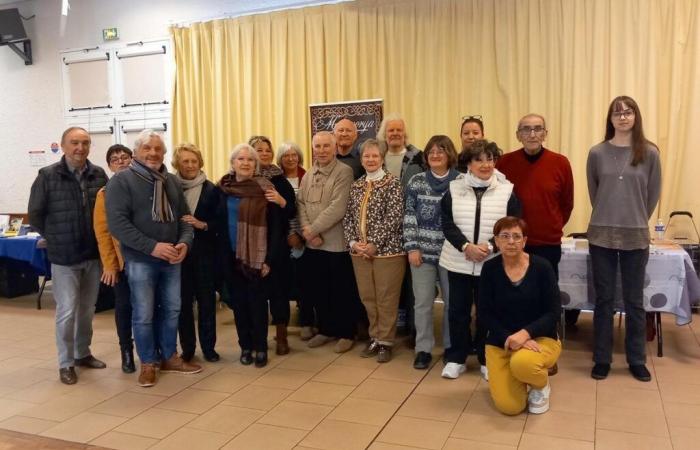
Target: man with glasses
x,y
544,184
61,203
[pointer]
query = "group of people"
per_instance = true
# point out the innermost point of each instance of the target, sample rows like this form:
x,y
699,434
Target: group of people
x,y
365,228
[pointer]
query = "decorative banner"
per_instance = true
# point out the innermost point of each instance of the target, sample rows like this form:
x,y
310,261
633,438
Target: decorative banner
x,y
367,115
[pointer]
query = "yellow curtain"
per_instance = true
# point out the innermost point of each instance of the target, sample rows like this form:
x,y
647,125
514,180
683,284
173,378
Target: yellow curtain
x,y
434,61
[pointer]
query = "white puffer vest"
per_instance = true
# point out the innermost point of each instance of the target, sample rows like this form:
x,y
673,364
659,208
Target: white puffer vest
x,y
494,205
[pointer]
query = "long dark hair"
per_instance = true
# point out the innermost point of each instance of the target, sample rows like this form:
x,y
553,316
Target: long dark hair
x,y
639,141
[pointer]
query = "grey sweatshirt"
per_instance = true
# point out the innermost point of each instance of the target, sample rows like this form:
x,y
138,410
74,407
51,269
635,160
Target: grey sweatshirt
x,y
128,200
622,195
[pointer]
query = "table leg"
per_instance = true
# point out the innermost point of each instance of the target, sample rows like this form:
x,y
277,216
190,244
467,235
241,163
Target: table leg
x,y
41,291
659,335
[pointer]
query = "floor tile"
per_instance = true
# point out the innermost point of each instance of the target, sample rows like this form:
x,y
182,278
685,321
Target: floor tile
x,y
625,397
225,381
682,414
433,408
225,419
351,376
268,437
156,423
258,397
617,440
284,378
496,430
83,427
194,401
340,435
463,444
562,424
127,404
410,431
680,392
398,371
40,392
167,384
383,390
9,408
368,412
308,361
30,425
684,438
123,441
321,393
190,438
541,442
304,416
631,421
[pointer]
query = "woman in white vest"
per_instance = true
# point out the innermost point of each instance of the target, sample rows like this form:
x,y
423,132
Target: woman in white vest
x,y
470,208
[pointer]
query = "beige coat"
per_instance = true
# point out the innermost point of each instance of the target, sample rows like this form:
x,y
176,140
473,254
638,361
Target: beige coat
x,y
322,200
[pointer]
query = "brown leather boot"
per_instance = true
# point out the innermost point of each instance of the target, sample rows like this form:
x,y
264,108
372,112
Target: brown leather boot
x,y
282,344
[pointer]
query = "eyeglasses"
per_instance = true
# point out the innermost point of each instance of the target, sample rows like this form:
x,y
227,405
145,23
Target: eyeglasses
x,y
625,113
122,158
477,117
516,237
529,130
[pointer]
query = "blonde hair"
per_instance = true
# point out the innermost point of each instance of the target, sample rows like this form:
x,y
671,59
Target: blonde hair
x,y
186,147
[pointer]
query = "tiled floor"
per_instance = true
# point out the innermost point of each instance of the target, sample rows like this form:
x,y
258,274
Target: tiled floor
x,y
317,399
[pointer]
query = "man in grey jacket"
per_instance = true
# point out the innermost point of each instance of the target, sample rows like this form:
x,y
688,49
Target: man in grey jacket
x,y
60,208
145,206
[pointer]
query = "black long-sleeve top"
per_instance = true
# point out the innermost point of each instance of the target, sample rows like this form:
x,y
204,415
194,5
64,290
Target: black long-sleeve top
x,y
533,305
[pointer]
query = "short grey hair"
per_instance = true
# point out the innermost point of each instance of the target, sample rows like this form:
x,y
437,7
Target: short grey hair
x,y
285,147
373,143
144,136
239,148
334,141
381,134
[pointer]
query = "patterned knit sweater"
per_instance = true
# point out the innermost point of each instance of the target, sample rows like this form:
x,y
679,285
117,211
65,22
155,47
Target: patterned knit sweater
x,y
422,226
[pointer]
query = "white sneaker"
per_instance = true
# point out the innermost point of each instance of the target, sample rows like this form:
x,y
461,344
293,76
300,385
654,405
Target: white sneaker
x,y
538,400
485,373
453,370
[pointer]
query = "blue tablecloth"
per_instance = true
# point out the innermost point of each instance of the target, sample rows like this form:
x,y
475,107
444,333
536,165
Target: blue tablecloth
x,y
24,248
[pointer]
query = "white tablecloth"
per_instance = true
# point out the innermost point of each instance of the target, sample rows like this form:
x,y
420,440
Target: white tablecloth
x,y
670,284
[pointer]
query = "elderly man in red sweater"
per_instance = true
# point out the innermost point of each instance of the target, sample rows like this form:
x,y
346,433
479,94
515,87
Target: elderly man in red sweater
x,y
544,185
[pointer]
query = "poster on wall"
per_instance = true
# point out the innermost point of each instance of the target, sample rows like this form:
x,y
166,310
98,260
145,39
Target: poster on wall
x,y
367,115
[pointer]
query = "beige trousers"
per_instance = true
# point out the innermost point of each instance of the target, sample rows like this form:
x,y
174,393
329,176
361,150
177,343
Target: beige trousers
x,y
379,284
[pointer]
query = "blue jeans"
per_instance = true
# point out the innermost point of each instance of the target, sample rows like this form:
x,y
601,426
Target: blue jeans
x,y
155,303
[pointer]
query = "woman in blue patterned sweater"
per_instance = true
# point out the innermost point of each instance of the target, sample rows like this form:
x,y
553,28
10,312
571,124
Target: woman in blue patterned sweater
x,y
423,239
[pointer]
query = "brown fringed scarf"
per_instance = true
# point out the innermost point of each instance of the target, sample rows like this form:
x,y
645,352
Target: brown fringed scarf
x,y
251,237
160,208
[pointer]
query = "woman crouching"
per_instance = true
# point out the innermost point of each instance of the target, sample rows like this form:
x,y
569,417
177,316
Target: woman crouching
x,y
519,306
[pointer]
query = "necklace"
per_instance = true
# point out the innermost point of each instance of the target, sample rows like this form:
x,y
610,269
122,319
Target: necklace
x,y
619,171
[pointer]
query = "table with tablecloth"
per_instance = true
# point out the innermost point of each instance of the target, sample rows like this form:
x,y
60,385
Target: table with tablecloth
x,y
670,283
28,249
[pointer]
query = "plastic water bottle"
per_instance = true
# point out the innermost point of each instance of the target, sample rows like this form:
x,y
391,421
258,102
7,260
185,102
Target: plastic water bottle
x,y
659,229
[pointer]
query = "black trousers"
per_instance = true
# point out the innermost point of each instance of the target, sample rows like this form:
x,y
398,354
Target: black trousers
x,y
248,299
280,282
552,253
197,285
329,286
307,313
122,312
463,294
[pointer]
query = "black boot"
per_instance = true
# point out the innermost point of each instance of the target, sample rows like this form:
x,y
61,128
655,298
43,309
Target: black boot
x,y
128,365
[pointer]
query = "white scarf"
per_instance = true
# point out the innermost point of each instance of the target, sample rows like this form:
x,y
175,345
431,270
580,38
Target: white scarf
x,y
192,189
474,181
376,175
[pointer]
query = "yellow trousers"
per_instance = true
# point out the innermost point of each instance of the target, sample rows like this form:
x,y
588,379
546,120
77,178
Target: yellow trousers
x,y
510,372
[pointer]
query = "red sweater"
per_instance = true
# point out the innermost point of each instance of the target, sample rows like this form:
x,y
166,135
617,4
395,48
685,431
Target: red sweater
x,y
545,188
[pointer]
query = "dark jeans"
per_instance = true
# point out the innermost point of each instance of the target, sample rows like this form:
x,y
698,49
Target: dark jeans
x,y
632,265
198,285
248,299
407,300
328,283
122,311
463,294
307,314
